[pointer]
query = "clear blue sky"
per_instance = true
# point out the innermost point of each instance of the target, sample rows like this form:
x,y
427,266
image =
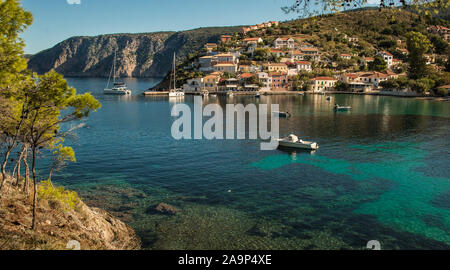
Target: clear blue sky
x,y
56,20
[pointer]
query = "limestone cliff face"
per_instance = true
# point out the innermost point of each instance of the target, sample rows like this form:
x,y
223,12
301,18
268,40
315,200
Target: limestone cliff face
x,y
138,55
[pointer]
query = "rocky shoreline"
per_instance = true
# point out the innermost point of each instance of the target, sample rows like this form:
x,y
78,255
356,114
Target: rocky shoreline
x,y
58,228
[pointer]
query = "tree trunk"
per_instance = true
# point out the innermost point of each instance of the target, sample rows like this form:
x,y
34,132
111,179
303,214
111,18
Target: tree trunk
x,y
27,172
13,145
33,168
19,161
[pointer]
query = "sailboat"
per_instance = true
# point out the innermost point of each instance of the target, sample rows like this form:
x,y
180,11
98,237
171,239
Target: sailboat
x,y
174,92
119,88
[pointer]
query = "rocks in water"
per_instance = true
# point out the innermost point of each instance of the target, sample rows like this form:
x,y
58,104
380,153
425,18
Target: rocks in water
x,y
163,208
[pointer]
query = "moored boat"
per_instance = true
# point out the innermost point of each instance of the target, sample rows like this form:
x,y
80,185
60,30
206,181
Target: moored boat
x,y
292,141
282,114
174,92
118,88
338,108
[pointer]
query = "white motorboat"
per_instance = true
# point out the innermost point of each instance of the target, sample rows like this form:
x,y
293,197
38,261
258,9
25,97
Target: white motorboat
x,y
174,92
230,94
338,108
292,141
258,95
119,88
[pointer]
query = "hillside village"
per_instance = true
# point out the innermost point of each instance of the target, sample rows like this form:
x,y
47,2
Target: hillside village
x,y
292,56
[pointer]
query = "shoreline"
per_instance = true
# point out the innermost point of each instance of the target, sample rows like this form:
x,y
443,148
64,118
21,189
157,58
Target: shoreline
x,y
286,93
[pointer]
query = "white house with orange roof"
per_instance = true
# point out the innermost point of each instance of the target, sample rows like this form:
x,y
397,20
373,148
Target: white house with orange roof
x,y
346,56
388,57
303,66
248,41
324,83
284,43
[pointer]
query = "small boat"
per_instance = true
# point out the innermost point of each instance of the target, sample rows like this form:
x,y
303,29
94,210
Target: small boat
x,y
282,114
292,141
119,88
338,108
301,94
230,94
174,92
328,98
258,95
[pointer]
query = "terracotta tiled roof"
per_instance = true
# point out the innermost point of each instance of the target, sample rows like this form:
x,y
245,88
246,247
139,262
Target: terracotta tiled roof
x,y
325,78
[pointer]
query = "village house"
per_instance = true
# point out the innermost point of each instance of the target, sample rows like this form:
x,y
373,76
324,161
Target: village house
x,y
278,53
210,47
206,63
388,57
346,56
396,62
296,55
266,80
349,77
193,85
442,31
245,78
226,67
248,41
226,58
210,82
284,43
312,53
368,60
245,30
320,84
353,39
230,84
225,38
279,81
374,78
303,66
276,67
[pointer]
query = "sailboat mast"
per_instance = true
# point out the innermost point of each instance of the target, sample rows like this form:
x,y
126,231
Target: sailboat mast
x,y
174,73
114,67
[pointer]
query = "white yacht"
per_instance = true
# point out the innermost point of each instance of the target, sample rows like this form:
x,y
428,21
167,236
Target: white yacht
x,y
118,88
292,141
173,91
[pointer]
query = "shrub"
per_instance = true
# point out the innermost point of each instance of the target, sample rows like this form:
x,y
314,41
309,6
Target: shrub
x,y
68,199
442,92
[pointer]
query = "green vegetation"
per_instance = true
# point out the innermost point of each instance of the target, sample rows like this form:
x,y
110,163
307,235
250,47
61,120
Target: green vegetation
x,y
68,200
378,64
33,107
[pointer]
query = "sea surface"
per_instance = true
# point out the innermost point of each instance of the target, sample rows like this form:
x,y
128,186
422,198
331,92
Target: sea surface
x,y
381,173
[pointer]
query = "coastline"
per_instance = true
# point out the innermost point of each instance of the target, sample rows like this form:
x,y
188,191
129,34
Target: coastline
x,y
89,227
283,93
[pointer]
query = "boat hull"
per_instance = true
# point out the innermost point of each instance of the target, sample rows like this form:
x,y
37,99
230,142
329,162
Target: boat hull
x,y
294,145
116,92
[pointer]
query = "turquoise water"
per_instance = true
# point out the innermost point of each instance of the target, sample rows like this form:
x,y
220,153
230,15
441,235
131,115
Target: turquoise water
x,y
381,173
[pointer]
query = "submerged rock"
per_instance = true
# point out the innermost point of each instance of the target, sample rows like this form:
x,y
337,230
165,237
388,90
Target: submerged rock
x,y
165,208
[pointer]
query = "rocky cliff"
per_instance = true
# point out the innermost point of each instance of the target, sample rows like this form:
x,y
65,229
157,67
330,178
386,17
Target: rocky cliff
x,y
138,55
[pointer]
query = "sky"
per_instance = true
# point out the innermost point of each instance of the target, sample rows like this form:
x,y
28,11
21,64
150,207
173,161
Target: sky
x,y
57,20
